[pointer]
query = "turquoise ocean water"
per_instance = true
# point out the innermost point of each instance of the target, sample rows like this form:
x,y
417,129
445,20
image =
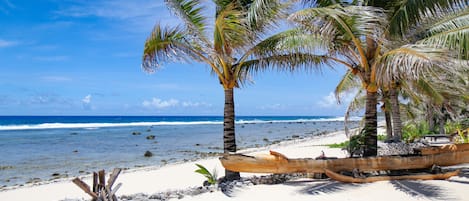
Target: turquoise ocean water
x,y
43,148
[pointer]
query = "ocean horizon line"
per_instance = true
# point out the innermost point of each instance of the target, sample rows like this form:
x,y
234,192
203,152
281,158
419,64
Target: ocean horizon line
x,y
95,122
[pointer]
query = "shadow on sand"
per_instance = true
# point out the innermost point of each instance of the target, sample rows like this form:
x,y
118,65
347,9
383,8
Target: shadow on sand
x,y
421,189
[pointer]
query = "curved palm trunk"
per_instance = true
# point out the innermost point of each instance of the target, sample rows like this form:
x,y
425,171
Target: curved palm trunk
x,y
396,114
229,138
371,124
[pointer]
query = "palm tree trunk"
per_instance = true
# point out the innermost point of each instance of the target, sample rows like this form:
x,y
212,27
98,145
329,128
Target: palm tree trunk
x,y
387,115
396,114
229,138
371,124
442,120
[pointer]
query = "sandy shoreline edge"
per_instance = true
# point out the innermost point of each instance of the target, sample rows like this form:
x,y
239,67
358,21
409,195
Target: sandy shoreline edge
x,y
179,176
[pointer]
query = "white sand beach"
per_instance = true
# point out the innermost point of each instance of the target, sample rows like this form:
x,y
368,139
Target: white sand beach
x,y
181,176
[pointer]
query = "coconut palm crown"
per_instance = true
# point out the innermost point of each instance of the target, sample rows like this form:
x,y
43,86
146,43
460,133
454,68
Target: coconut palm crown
x,y
360,36
234,44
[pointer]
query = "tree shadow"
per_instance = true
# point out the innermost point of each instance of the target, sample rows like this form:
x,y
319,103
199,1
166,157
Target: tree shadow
x,y
464,172
421,189
323,186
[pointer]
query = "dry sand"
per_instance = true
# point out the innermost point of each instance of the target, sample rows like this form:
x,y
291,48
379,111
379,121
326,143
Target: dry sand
x,y
182,176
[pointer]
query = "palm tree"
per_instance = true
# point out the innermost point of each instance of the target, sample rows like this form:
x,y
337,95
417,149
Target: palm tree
x,y
356,36
236,48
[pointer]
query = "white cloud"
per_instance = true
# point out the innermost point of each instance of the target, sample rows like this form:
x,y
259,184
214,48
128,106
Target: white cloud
x,y
195,104
330,100
160,104
140,14
5,43
272,107
87,99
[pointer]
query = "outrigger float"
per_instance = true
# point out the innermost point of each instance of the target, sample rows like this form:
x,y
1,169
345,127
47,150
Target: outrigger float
x,y
278,163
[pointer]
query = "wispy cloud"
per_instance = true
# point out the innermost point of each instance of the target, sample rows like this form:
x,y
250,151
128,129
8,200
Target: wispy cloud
x,y
51,58
6,6
6,43
272,107
195,104
330,100
56,78
46,99
141,15
157,103
160,104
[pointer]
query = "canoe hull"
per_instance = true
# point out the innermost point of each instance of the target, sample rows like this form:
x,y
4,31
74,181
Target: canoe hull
x,y
277,164
348,179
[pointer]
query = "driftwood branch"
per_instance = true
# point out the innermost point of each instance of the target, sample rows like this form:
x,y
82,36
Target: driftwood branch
x,y
101,191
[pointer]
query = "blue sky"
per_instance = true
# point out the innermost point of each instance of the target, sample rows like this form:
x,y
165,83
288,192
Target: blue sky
x,y
78,57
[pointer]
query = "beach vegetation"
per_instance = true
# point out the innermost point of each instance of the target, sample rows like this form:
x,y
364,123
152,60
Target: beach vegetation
x,y
414,130
212,177
385,43
341,145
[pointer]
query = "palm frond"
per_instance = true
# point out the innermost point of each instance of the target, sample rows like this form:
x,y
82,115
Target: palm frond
x,y
452,33
343,22
190,12
348,82
291,41
263,15
357,103
406,13
230,31
167,44
412,62
287,62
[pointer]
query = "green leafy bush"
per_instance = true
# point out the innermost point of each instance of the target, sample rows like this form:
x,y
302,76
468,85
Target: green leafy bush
x,y
211,176
414,130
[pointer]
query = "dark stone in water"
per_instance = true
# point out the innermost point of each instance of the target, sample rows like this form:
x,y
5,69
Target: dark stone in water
x,y
148,130
295,136
73,133
197,144
56,174
151,137
148,154
75,151
6,167
136,133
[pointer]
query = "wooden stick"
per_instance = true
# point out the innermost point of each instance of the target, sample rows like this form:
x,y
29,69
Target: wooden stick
x,y
95,182
113,177
102,178
84,187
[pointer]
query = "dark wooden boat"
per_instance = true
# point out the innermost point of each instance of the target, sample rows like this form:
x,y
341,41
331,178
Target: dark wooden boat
x,y
422,176
278,163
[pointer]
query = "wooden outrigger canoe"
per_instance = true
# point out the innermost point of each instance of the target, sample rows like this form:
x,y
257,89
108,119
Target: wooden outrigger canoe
x,y
443,149
278,163
425,176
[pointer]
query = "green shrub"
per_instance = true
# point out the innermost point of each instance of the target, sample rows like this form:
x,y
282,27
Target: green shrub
x,y
412,131
211,176
382,137
341,145
452,127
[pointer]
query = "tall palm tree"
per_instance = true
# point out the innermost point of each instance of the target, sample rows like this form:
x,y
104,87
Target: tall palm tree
x,y
355,34
237,46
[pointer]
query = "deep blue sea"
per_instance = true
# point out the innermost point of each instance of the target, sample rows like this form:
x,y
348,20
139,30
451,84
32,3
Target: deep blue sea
x,y
43,148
